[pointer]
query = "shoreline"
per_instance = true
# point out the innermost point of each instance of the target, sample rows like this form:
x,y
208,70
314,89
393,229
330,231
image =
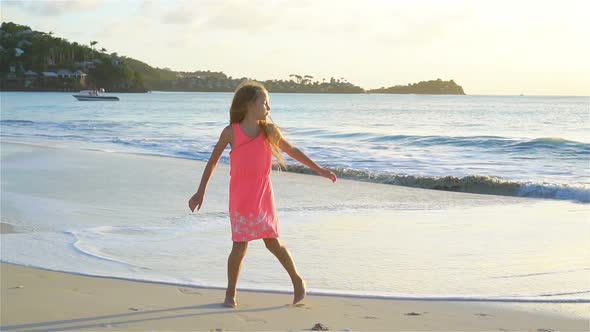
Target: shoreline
x,y
39,299
338,93
470,184
284,92
335,294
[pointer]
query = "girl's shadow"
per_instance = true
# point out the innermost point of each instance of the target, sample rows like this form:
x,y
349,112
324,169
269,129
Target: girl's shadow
x,y
117,319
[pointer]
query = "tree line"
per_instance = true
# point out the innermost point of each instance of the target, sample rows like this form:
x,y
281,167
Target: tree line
x,y
25,55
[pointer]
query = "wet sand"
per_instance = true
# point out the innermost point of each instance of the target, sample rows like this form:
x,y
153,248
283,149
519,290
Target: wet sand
x,y
34,299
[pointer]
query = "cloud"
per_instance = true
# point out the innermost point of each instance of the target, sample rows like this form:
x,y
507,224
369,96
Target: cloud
x,y
184,13
53,8
233,15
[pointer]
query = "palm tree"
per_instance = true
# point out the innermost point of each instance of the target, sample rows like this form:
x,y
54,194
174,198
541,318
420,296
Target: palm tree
x,y
92,43
103,50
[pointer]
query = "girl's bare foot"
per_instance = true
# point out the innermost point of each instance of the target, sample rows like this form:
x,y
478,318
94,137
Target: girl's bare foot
x,y
299,292
230,302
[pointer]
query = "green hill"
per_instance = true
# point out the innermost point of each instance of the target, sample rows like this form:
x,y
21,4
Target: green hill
x,y
38,61
434,87
34,60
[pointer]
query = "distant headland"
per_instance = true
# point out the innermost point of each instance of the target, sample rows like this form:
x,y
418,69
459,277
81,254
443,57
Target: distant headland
x,y
435,87
38,61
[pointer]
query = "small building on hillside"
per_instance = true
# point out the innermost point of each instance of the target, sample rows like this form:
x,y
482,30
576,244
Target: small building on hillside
x,y
81,76
49,75
64,73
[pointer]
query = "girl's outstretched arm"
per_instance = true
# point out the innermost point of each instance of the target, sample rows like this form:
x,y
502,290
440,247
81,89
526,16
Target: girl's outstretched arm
x,y
224,139
298,155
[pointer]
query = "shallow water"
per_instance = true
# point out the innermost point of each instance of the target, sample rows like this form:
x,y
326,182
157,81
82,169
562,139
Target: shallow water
x,y
519,146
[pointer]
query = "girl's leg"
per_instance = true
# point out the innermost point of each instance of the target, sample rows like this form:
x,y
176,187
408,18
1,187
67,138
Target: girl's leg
x,y
234,266
282,253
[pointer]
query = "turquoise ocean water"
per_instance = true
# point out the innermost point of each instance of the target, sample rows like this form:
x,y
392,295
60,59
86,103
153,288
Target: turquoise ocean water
x,y
512,145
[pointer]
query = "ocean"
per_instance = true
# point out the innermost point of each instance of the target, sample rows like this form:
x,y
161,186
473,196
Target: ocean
x,y
508,145
102,189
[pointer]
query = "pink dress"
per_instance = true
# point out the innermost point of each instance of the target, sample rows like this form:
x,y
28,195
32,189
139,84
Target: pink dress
x,y
251,200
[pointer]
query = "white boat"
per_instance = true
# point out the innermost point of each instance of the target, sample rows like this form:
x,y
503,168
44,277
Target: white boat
x,y
93,95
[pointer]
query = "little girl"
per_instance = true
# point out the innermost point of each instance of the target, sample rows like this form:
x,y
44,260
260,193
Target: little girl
x,y
252,209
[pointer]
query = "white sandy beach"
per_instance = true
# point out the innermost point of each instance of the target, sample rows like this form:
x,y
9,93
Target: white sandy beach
x,y
38,300
48,190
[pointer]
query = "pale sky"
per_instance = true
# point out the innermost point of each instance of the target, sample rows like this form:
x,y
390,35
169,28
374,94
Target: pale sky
x,y
489,47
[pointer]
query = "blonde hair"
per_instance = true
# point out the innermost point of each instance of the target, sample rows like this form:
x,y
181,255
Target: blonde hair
x,y
246,93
